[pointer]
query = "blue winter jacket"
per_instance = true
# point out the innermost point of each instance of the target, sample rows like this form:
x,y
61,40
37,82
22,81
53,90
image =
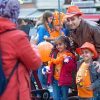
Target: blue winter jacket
x,y
42,31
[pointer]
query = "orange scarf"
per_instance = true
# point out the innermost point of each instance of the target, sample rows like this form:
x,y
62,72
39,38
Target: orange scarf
x,y
53,34
48,28
59,62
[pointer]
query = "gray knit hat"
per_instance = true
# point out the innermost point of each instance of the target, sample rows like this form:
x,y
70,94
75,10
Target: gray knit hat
x,y
10,9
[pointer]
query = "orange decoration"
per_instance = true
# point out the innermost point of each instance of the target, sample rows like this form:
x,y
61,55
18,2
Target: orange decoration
x,y
58,16
44,49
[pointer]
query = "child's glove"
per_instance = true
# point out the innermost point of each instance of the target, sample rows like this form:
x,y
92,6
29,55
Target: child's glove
x,y
45,37
45,70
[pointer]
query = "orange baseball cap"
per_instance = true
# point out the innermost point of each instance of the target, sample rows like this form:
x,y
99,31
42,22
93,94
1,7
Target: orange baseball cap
x,y
72,11
89,46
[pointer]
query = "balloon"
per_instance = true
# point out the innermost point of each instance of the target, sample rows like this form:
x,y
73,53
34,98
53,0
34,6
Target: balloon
x,y
44,49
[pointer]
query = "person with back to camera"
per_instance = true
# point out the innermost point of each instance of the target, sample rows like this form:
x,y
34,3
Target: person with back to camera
x,y
88,75
15,47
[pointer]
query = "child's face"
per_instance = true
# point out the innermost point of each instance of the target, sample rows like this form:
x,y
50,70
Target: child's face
x,y
50,19
60,46
87,54
57,27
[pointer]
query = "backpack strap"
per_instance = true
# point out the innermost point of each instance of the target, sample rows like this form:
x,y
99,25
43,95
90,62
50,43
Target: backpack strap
x,y
17,63
12,72
9,30
3,80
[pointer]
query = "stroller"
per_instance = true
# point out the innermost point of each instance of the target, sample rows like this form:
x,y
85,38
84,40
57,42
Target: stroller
x,y
38,93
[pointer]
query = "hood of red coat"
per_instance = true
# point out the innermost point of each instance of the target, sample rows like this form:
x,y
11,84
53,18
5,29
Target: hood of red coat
x,y
6,24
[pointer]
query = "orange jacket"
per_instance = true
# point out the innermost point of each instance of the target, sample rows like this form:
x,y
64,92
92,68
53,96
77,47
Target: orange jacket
x,y
55,34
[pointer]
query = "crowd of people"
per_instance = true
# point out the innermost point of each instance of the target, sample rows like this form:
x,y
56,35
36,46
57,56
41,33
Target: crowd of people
x,y
74,58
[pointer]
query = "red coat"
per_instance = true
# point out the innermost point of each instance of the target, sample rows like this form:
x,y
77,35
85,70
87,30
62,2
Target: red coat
x,y
15,45
66,74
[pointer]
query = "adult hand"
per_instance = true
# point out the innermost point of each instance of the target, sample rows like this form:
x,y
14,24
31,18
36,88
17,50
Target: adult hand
x,y
97,65
89,88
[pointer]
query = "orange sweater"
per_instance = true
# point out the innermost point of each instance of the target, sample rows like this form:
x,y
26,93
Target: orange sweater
x,y
83,78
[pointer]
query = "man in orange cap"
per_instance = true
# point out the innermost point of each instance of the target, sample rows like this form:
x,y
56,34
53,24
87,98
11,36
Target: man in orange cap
x,y
81,30
88,75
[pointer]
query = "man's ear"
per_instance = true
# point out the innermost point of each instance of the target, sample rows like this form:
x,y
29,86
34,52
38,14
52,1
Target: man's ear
x,y
65,45
92,54
80,18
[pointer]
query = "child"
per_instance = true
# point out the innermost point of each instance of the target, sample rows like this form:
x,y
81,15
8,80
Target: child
x,y
46,27
88,78
58,25
63,65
